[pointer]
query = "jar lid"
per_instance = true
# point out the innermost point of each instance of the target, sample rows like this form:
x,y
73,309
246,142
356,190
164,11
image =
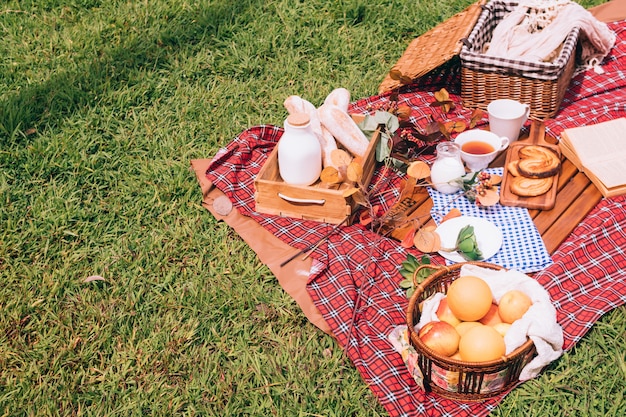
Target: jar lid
x,y
298,119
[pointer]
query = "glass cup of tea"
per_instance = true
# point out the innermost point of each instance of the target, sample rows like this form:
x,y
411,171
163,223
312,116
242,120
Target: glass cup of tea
x,y
480,147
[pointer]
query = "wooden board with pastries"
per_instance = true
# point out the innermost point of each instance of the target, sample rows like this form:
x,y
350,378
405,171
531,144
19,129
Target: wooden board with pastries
x,y
531,171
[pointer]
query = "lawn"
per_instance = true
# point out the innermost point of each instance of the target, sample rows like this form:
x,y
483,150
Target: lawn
x,y
120,295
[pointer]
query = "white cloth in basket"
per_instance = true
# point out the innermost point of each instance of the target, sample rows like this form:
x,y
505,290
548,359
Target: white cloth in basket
x,y
521,34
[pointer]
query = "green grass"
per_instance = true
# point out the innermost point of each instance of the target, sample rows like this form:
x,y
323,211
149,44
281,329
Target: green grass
x,y
102,106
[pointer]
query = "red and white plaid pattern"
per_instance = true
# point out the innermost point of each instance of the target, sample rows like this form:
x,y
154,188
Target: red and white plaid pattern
x,y
355,277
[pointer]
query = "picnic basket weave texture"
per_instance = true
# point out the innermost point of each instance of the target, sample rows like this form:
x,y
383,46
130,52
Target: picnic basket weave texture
x,y
434,48
541,85
457,379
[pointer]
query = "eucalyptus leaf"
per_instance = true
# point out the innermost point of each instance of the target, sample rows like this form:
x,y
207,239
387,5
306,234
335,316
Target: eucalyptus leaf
x,y
369,125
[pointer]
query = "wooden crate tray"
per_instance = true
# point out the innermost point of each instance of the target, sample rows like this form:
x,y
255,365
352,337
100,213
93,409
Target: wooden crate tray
x,y
319,201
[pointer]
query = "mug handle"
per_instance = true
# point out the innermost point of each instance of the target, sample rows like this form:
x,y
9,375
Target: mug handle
x,y
526,113
505,143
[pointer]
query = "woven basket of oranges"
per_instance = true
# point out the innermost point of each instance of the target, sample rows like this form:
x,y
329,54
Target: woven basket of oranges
x,y
445,367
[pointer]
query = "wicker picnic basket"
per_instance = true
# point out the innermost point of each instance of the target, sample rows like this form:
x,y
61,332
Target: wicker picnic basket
x,y
541,85
457,44
456,379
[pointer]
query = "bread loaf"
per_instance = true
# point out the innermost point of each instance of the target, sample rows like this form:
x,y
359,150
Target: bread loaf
x,y
343,128
296,104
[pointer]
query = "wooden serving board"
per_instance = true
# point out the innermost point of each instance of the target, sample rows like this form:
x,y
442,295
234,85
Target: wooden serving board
x,y
545,201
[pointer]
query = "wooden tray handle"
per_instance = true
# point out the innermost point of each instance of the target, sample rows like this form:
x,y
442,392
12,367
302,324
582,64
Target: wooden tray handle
x,y
301,200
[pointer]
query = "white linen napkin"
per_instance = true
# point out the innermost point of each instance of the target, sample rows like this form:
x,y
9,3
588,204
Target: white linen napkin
x,y
518,36
522,248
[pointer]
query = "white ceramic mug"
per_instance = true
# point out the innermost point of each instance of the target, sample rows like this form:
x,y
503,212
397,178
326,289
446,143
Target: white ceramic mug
x,y
506,117
480,147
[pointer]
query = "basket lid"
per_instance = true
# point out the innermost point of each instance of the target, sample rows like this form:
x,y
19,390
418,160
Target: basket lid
x,y
435,47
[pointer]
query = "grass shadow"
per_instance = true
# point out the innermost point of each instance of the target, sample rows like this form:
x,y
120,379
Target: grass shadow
x,y
99,72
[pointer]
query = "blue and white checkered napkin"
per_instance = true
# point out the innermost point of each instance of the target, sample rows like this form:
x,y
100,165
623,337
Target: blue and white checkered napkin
x,y
522,247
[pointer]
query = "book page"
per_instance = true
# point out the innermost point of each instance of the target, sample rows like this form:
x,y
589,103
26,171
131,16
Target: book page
x,y
566,149
612,173
601,149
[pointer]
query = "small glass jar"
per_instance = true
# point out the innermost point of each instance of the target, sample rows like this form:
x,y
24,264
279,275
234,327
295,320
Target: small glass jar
x,y
447,167
299,151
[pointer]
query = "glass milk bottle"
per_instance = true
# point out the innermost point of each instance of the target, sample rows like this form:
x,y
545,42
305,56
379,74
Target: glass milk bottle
x,y
447,167
299,151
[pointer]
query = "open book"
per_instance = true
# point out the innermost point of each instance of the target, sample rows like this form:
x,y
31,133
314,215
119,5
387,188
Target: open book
x,y
600,152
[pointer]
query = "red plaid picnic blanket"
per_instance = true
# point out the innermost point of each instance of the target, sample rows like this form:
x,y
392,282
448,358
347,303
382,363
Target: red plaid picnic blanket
x,y
354,280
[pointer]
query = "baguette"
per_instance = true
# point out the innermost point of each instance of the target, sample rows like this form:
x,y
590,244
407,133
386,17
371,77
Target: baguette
x,y
343,128
339,97
296,104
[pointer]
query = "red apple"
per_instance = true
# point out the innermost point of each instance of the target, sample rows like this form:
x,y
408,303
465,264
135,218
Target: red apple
x,y
492,317
441,337
445,314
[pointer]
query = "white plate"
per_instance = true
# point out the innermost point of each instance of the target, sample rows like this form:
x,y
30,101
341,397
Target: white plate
x,y
488,236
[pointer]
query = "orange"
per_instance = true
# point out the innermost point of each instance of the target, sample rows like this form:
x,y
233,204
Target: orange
x,y
464,326
469,298
513,305
481,344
